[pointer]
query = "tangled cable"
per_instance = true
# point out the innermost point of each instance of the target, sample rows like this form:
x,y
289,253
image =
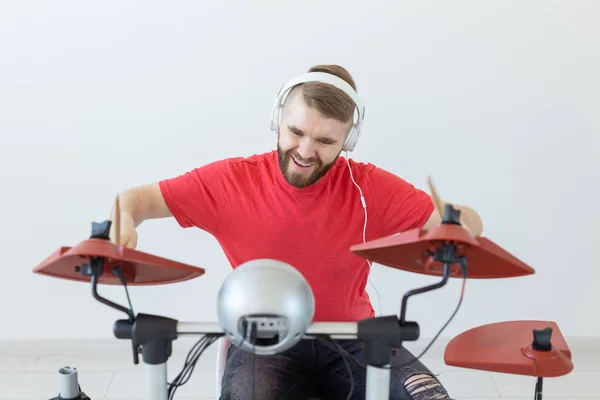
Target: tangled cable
x,y
190,362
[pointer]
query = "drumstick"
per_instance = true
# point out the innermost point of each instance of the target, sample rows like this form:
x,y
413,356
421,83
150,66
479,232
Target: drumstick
x,y
117,222
439,205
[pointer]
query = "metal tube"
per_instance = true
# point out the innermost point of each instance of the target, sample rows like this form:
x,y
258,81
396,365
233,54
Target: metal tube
x,y
198,328
156,381
378,383
68,384
337,330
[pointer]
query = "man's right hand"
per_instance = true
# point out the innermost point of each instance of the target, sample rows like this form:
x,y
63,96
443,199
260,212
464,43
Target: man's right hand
x,y
136,205
128,233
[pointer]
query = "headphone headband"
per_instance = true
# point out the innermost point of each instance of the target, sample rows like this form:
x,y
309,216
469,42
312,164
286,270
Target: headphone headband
x,y
332,80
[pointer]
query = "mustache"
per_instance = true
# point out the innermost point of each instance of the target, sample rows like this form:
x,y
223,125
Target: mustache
x,y
304,160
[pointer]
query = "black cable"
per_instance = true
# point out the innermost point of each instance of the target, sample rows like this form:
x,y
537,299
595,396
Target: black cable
x,y
188,367
463,265
341,350
439,332
190,362
119,273
330,343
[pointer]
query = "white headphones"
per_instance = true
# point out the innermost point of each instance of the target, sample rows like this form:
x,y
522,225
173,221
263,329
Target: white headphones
x,y
330,79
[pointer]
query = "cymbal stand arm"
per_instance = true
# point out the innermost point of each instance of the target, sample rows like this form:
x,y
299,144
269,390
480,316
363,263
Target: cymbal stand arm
x,y
447,255
423,290
95,269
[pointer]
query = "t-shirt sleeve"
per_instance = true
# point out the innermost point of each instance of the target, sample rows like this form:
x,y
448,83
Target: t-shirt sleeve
x,y
198,197
397,204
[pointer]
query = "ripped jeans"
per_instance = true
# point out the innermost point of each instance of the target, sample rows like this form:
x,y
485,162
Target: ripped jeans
x,y
312,371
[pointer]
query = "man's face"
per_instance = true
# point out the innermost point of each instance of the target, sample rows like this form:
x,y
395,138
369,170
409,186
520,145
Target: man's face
x,y
308,143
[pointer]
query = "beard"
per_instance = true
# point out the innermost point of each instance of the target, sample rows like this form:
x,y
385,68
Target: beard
x,y
298,179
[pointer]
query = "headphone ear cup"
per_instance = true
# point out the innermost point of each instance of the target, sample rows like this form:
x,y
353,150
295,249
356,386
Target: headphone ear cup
x,y
348,140
351,139
275,118
278,118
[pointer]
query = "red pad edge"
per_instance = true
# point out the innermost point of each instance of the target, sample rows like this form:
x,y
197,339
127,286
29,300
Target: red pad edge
x,y
408,251
506,347
139,268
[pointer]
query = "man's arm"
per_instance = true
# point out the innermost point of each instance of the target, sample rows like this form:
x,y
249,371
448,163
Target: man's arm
x,y
196,198
143,203
137,205
469,219
398,206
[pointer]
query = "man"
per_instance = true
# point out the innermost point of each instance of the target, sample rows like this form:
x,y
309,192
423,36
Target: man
x,y
306,205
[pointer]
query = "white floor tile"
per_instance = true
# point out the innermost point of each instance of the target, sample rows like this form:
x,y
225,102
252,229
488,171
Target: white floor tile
x,y
131,385
29,370
84,347
86,363
574,385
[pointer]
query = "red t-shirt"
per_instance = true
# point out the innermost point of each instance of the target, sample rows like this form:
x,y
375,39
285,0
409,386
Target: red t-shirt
x,y
249,207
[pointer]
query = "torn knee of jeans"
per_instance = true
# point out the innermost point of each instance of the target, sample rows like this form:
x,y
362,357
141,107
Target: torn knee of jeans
x,y
424,387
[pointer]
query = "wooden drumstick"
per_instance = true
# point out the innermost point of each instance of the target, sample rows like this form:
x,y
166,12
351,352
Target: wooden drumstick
x,y
117,222
439,205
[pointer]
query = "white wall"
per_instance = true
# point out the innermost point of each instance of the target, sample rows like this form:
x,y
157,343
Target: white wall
x,y
498,101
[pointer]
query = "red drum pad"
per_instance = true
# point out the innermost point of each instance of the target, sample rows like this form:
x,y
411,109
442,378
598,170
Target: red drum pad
x,y
412,251
139,268
533,348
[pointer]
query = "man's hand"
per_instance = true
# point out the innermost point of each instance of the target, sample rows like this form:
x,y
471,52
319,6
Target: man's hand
x,y
122,229
128,236
468,217
470,220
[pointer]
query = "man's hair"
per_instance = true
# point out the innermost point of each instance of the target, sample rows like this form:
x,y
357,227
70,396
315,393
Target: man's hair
x,y
328,100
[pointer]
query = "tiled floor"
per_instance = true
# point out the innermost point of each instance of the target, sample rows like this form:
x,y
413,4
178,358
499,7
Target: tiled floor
x,y
28,371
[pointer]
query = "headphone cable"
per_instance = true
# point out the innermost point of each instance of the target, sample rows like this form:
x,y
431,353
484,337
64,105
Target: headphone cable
x,y
364,233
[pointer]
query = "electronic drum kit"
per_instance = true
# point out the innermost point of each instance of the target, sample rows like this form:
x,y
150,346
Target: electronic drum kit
x,y
532,348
